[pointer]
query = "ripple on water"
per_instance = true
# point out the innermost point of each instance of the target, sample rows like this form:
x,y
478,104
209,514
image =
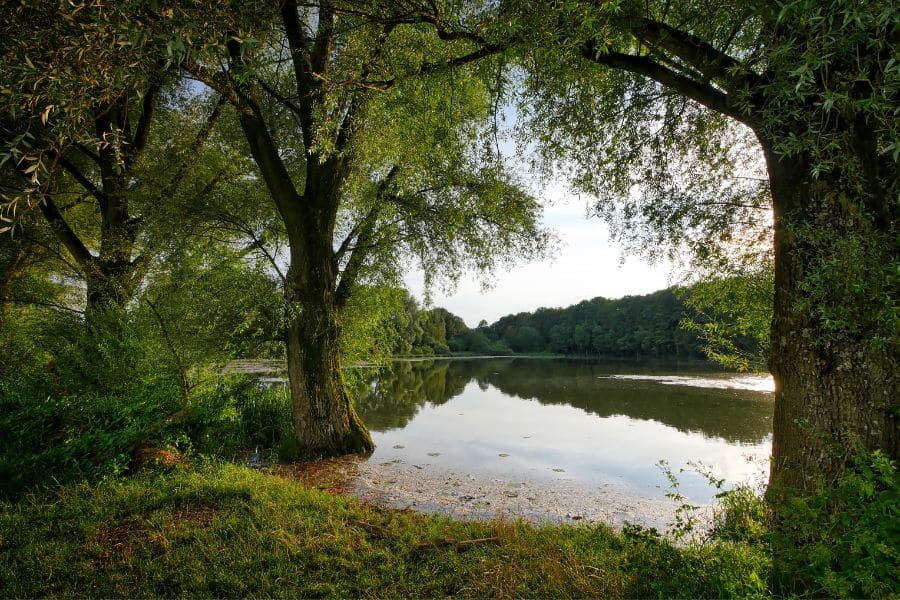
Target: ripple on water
x,y
753,383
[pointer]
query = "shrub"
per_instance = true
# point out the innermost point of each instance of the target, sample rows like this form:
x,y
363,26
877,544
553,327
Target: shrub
x,y
240,413
843,540
84,398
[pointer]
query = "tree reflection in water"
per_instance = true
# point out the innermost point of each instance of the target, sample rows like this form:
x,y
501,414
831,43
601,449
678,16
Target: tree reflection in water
x,y
391,397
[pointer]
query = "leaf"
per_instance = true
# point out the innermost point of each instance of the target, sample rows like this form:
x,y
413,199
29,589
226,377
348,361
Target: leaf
x,y
45,115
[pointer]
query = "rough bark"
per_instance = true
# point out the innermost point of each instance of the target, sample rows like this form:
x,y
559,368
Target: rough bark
x,y
836,390
325,420
111,276
113,273
14,273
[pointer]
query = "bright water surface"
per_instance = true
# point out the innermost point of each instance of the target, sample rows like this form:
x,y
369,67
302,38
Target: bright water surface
x,y
571,422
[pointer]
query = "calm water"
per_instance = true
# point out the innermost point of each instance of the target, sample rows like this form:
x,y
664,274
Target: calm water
x,y
565,422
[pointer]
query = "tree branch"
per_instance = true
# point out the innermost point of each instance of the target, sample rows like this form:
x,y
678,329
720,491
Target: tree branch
x,y
703,93
256,242
142,132
264,149
179,364
300,57
483,52
88,152
700,54
218,82
324,39
363,232
279,97
66,234
192,152
357,257
86,183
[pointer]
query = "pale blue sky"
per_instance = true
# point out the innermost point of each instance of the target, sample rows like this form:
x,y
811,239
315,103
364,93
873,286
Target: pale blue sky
x,y
587,264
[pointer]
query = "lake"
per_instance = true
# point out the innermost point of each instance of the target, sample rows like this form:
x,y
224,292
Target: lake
x,y
557,439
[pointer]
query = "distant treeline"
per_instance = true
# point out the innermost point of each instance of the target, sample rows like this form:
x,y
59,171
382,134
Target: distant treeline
x,y
630,327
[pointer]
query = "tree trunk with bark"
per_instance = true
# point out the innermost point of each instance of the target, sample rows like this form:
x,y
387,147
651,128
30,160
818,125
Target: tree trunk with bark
x,y
15,271
836,382
325,421
112,275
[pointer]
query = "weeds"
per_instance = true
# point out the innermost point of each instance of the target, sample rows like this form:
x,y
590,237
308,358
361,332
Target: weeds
x,y
224,530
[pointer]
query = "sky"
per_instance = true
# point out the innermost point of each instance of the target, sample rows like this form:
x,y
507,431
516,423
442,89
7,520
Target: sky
x,y
587,264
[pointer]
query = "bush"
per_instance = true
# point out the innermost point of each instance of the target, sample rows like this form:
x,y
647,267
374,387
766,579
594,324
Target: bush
x,y
843,540
238,414
83,400
741,516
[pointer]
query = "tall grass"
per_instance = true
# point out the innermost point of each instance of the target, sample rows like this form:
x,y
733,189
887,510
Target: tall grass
x,y
225,530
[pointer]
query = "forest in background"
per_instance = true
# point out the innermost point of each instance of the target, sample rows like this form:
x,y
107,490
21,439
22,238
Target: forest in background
x,y
633,327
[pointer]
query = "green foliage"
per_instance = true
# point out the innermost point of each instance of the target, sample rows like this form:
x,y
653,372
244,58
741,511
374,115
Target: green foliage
x,y
732,315
228,531
210,305
89,397
22,355
719,569
855,44
82,401
60,62
741,516
837,540
630,327
368,330
843,540
239,414
414,331
670,176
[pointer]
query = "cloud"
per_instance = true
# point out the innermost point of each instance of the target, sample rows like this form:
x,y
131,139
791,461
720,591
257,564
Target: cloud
x,y
588,264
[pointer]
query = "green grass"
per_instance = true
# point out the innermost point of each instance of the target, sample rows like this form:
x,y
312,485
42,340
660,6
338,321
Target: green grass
x,y
224,530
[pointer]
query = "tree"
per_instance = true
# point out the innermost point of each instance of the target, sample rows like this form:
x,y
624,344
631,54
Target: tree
x,y
731,313
77,120
663,94
375,166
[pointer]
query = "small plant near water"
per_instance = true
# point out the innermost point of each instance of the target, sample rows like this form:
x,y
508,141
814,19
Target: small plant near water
x,y
842,540
837,541
240,414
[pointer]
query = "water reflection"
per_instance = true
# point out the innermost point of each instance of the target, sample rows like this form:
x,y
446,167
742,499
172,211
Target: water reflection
x,y
394,397
555,437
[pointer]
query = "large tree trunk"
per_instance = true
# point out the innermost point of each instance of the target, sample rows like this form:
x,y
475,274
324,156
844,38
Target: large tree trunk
x,y
325,422
111,276
836,381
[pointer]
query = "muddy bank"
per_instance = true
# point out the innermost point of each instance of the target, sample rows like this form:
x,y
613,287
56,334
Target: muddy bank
x,y
430,489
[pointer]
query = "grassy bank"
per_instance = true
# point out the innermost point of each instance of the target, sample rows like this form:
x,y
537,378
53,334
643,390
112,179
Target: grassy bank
x,y
224,530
